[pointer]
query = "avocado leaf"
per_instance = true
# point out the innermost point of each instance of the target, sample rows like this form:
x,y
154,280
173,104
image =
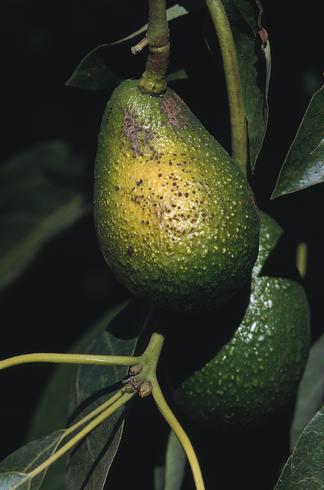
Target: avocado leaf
x,y
304,163
175,463
90,462
92,73
171,475
41,195
305,467
310,392
51,411
15,469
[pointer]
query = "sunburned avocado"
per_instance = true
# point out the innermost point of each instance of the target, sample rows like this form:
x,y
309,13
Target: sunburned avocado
x,y
258,369
175,217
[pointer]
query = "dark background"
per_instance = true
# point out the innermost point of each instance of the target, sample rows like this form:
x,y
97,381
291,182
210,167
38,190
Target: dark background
x,y
68,286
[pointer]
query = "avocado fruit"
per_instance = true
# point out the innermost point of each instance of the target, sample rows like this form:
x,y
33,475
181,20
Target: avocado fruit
x,y
258,368
175,217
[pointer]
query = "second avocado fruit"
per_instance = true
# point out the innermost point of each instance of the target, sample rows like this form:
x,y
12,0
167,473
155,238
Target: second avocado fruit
x,y
175,217
258,369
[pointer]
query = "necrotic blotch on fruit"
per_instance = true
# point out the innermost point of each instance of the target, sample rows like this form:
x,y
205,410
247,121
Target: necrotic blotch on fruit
x,y
135,132
171,106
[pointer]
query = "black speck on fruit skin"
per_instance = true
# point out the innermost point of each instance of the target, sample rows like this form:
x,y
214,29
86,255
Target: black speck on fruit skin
x,y
130,251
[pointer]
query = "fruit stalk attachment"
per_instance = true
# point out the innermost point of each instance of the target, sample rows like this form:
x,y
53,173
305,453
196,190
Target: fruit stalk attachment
x,y
239,140
153,79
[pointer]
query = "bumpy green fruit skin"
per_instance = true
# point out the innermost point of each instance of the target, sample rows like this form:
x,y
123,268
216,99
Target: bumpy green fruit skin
x,y
258,370
175,217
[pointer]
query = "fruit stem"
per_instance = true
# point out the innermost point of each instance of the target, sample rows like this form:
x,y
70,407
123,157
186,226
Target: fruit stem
x,y
153,79
124,398
179,432
232,75
70,359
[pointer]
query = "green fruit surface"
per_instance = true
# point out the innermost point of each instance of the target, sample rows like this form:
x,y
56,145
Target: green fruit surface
x,y
259,368
175,217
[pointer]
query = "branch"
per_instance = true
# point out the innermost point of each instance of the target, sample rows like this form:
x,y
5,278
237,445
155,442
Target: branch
x,y
232,76
69,359
180,433
124,398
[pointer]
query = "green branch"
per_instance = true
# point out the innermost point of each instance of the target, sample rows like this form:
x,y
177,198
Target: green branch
x,y
124,398
180,433
69,359
149,360
142,380
153,79
94,412
233,84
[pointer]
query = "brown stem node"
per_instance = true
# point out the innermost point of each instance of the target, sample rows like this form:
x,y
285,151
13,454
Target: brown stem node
x,y
153,79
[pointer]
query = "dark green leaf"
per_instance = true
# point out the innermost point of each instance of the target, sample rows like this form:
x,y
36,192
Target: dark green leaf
x,y
170,476
92,73
51,412
11,480
90,462
40,196
304,163
55,476
175,463
311,391
15,469
304,469
249,13
158,478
